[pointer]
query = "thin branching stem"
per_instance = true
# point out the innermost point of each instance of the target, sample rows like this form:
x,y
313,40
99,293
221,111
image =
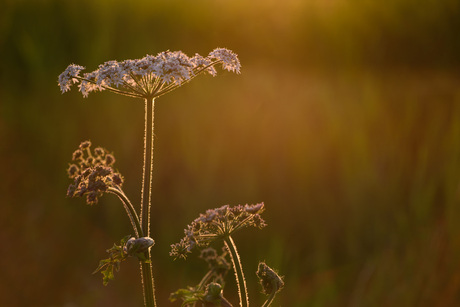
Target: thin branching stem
x,y
204,280
111,89
172,86
239,275
139,84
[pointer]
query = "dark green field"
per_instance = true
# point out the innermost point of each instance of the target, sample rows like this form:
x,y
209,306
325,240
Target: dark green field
x,y
345,121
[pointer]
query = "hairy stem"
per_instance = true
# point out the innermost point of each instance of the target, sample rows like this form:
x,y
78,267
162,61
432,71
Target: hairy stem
x,y
146,198
239,275
148,287
129,210
146,192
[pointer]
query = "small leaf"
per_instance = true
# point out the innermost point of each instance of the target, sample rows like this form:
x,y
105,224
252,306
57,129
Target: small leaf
x,y
107,275
111,264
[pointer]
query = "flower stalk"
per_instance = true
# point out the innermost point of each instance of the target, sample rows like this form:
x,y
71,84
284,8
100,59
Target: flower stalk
x,y
148,287
131,212
239,274
146,199
147,172
220,224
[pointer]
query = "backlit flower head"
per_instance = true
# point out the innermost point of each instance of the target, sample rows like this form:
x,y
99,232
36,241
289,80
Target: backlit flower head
x,y
92,173
217,224
69,77
150,76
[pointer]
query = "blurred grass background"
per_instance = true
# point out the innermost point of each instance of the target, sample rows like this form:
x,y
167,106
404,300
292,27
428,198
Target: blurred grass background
x,y
344,121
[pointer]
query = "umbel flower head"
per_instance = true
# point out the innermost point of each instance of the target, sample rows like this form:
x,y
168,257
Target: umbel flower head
x,y
92,173
217,224
149,77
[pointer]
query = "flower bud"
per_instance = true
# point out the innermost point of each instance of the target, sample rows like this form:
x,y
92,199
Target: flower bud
x,y
269,279
135,246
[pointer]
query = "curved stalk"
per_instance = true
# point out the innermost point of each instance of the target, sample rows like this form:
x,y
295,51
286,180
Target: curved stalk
x,y
129,210
204,280
239,275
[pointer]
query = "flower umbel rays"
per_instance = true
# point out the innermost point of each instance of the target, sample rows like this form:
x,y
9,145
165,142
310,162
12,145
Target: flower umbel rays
x,y
217,224
150,76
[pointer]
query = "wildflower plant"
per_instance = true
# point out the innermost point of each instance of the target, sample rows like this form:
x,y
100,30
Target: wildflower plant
x,y
220,224
94,175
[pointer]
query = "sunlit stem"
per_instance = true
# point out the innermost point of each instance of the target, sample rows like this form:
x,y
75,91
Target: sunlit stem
x,y
146,198
129,210
147,282
239,275
146,192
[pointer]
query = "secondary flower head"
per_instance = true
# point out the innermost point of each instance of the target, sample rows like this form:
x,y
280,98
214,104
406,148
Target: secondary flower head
x,y
150,76
92,173
217,224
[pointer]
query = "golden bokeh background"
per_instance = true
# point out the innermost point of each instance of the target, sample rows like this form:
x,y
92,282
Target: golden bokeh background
x,y
345,121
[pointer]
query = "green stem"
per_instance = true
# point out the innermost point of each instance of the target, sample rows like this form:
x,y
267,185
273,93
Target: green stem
x,y
239,275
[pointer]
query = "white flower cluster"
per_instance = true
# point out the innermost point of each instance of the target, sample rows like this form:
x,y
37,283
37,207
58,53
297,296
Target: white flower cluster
x,y
149,77
68,77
